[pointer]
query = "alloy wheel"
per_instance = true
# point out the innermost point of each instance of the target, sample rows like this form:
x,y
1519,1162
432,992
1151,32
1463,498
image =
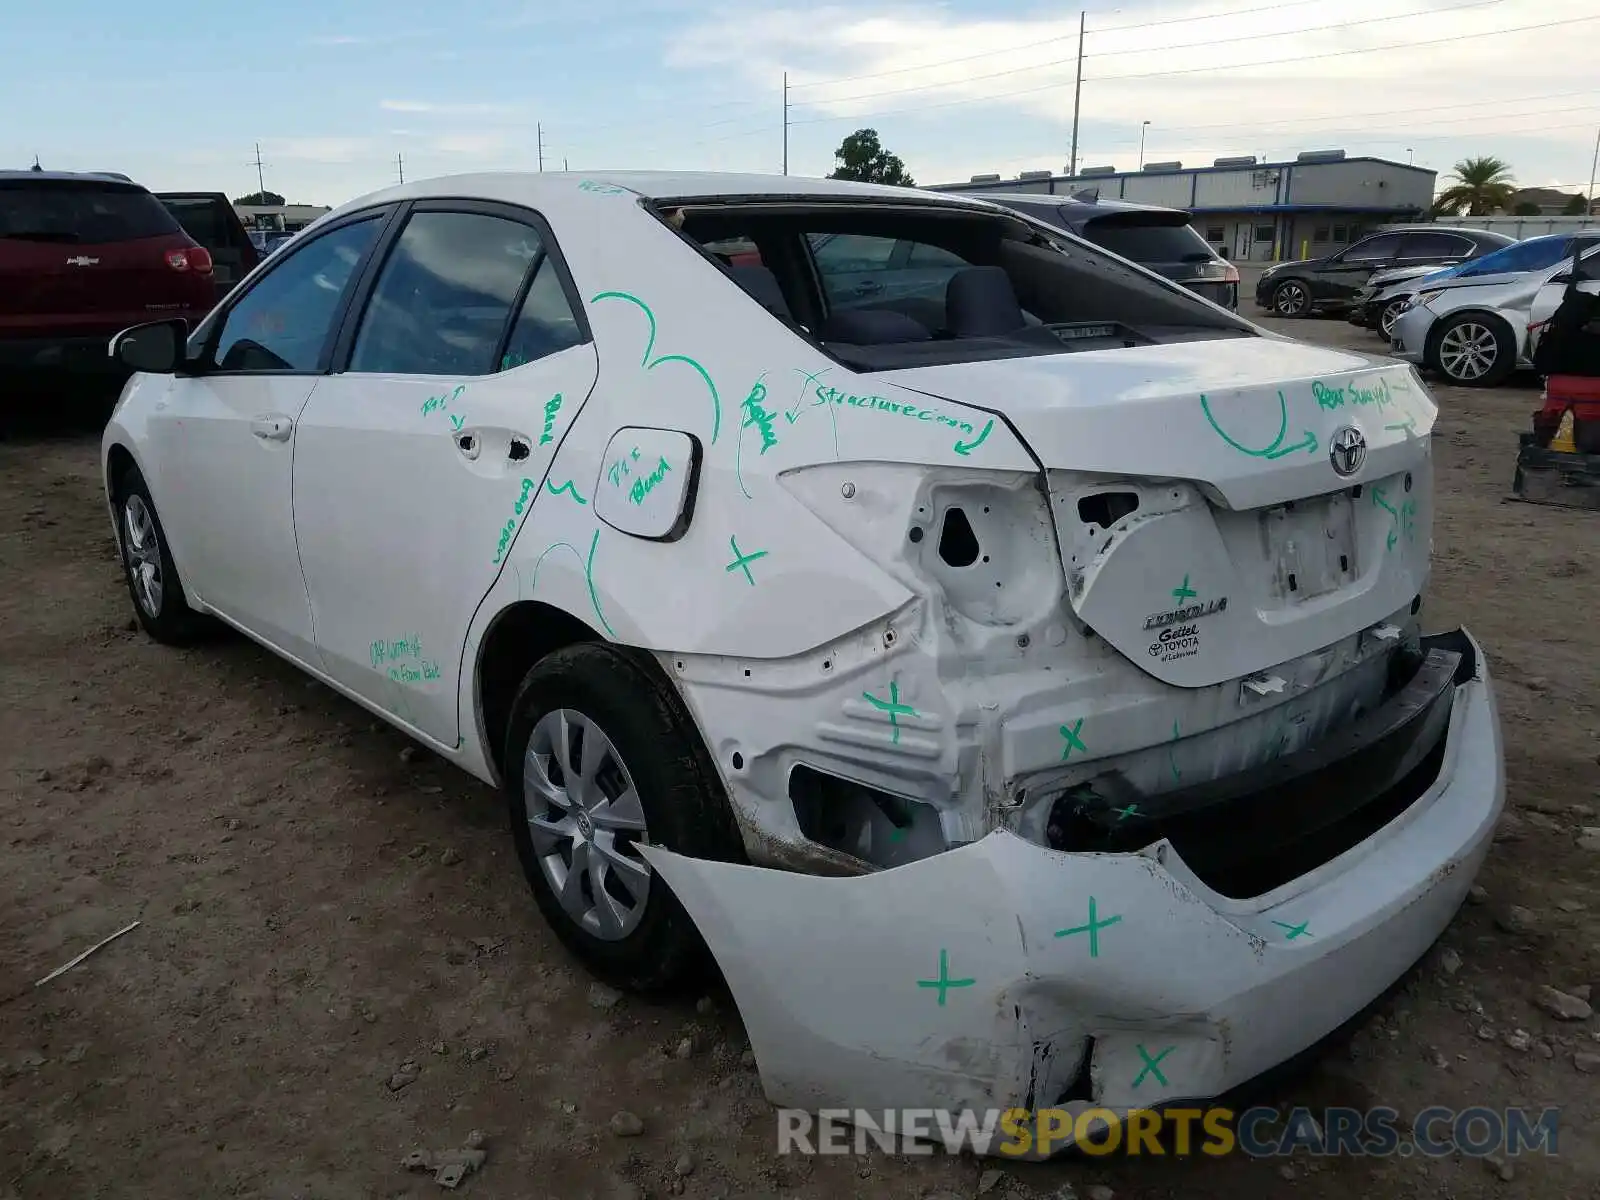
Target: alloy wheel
x,y
142,547
1290,299
1390,314
586,824
1468,351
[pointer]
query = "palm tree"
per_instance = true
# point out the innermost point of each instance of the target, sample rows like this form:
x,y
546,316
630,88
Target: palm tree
x,y
1483,185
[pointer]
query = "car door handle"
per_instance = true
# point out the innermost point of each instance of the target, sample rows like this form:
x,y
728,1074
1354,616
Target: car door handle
x,y
868,287
274,427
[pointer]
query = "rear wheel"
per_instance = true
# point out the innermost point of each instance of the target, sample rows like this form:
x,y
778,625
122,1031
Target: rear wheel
x,y
1291,298
1472,350
601,757
153,584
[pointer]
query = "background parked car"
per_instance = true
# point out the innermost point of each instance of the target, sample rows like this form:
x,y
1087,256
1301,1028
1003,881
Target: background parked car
x,y
1389,293
1332,283
1475,331
209,218
83,256
1158,239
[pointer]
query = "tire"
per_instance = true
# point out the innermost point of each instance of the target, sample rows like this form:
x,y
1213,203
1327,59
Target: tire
x,y
1474,350
622,922
1291,298
154,587
1387,316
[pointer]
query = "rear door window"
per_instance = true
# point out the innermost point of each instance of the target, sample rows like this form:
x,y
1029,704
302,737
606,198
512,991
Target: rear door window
x,y
445,295
74,213
1435,245
1148,241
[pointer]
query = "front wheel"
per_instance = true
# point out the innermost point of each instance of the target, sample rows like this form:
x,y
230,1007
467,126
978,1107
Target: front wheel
x,y
1390,314
601,757
147,566
1475,351
1291,298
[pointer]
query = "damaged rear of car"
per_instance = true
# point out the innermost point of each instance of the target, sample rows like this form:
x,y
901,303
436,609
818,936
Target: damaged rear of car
x,y
1147,779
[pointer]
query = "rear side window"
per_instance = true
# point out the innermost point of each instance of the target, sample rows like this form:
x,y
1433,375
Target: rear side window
x,y
545,324
1148,242
1435,245
78,213
284,320
445,295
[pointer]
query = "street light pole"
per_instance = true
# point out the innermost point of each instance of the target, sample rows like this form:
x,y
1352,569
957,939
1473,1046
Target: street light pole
x,y
1077,95
1593,163
1142,129
1410,156
786,122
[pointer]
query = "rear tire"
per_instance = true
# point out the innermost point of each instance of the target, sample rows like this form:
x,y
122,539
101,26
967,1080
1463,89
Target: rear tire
x,y
1291,298
600,756
1474,350
147,567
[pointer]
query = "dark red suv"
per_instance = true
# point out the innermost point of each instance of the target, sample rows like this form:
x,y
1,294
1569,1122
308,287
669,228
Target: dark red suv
x,y
84,256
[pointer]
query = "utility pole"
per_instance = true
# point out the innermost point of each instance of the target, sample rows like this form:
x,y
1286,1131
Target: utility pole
x,y
786,122
400,165
1143,129
540,128
1593,163
261,183
1077,94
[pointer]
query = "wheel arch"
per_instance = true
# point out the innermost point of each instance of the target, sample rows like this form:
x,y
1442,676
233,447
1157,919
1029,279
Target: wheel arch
x,y
519,635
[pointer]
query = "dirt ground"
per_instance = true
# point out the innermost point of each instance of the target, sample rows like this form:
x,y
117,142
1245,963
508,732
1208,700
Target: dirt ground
x,y
321,905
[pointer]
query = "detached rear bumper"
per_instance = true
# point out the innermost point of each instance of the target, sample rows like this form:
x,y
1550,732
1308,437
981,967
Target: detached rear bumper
x,y
1004,974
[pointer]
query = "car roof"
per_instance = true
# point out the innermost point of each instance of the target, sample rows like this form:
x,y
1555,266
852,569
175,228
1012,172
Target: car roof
x,y
530,187
71,177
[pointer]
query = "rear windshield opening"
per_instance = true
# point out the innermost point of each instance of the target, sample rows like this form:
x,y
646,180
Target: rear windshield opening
x,y
80,213
889,285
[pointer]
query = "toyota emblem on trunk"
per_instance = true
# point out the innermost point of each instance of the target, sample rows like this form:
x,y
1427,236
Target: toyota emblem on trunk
x,y
1347,450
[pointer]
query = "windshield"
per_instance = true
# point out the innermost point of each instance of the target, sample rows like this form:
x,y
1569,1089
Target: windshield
x,y
1148,238
1532,255
889,285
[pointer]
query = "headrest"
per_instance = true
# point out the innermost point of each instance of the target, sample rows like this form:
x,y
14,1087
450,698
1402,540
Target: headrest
x,y
980,302
762,285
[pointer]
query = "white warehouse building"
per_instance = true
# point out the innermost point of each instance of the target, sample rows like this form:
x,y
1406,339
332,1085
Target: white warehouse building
x,y
1253,211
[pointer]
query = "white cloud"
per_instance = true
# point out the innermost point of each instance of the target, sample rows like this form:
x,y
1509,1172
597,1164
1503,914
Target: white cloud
x,y
454,110
319,149
1209,87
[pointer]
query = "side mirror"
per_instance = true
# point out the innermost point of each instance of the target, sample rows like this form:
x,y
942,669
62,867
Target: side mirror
x,y
156,348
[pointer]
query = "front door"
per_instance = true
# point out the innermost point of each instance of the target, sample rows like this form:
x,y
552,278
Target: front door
x,y
225,439
416,464
1347,273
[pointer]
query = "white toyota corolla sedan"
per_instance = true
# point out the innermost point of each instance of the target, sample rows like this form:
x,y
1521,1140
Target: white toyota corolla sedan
x,y
1005,662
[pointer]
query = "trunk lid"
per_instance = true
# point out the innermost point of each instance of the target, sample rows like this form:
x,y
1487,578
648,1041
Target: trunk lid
x,y
1205,529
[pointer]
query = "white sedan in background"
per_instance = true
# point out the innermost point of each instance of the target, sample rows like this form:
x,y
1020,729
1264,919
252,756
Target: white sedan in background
x,y
1011,671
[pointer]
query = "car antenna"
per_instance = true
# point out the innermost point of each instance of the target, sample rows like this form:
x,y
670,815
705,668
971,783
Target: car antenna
x,y
36,166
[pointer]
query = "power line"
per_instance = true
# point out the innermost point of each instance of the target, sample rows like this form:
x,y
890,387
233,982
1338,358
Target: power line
x,y
1060,62
1066,37
1213,69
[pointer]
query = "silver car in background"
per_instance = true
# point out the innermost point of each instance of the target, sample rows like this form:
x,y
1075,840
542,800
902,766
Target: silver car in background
x,y
1473,329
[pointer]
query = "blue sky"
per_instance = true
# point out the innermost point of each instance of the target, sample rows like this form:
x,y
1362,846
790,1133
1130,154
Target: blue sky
x,y
178,94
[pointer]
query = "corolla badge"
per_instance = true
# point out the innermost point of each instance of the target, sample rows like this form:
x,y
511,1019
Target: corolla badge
x,y
1347,450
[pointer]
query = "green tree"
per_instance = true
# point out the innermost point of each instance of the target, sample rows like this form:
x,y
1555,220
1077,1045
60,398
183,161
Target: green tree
x,y
1526,208
260,198
862,157
1575,206
1483,186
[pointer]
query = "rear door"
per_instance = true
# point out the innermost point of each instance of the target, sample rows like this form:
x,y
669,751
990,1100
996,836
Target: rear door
x,y
209,219
418,461
82,257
